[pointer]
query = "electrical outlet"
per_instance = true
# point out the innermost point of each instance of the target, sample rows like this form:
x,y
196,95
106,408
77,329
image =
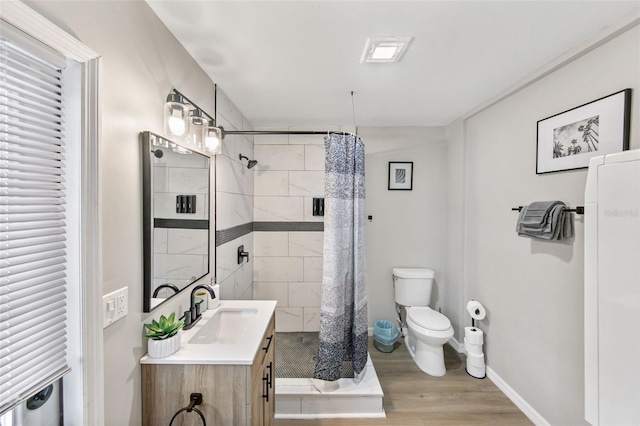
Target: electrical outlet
x,y
115,305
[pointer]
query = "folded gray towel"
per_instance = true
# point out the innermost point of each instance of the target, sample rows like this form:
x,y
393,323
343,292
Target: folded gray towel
x,y
546,220
537,214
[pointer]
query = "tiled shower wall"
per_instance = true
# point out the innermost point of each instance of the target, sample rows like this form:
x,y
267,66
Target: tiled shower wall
x,y
288,238
234,204
180,254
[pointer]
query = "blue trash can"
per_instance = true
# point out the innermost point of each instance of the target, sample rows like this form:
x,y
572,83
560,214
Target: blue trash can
x,y
385,334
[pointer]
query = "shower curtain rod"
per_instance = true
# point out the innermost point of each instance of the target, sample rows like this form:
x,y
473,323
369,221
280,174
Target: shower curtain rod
x,y
283,132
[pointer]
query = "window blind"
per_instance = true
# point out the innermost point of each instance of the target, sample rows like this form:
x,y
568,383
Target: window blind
x,y
32,224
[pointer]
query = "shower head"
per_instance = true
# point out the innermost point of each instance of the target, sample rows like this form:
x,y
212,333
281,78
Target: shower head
x,y
252,163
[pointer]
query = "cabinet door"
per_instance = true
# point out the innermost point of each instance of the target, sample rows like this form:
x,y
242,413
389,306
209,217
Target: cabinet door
x,y
263,380
270,371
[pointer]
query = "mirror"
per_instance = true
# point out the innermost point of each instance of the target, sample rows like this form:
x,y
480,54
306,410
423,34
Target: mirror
x,y
176,198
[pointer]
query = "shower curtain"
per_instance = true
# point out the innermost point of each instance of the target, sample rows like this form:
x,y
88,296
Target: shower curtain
x,y
343,310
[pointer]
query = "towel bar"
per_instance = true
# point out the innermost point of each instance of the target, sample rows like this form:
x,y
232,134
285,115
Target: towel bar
x,y
577,210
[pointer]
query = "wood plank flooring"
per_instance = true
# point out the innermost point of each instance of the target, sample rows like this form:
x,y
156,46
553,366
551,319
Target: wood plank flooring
x,y
412,398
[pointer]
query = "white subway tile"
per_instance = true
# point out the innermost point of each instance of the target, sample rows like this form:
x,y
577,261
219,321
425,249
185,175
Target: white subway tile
x,y
178,266
289,319
307,139
341,405
226,260
188,241
314,157
311,319
160,179
271,183
228,175
160,240
279,157
306,243
278,269
188,181
227,109
271,243
312,269
243,289
271,139
242,209
278,209
288,404
272,291
225,214
306,183
226,289
305,294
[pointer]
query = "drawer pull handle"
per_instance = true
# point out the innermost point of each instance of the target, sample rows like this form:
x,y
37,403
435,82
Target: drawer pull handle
x,y
270,375
265,395
269,339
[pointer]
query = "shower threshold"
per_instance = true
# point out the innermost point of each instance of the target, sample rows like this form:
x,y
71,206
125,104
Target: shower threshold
x,y
297,398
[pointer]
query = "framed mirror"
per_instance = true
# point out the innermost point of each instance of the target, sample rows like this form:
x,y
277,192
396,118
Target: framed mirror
x,y
176,226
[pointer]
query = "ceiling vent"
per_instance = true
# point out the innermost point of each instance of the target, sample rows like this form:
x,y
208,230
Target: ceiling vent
x,y
385,49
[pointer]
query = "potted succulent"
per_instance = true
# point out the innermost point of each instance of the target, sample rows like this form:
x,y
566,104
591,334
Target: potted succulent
x,y
164,336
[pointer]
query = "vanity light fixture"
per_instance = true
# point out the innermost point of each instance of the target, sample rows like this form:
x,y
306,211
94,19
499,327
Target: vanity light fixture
x,y
198,124
213,139
185,121
176,114
385,49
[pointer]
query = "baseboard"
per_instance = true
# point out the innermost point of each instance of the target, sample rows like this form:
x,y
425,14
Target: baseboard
x,y
527,409
457,346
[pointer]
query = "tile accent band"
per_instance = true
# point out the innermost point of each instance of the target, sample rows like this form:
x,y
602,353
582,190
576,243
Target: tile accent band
x,y
181,223
225,235
288,226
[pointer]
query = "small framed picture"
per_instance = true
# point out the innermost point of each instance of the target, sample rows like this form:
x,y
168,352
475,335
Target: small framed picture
x,y
401,175
568,140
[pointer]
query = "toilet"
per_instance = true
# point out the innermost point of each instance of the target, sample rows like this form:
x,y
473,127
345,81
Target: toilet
x,y
426,330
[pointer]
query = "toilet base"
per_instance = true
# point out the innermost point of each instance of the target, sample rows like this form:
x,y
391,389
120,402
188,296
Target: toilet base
x,y
429,359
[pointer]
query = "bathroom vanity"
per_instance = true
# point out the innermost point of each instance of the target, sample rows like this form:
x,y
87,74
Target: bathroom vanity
x,y
228,357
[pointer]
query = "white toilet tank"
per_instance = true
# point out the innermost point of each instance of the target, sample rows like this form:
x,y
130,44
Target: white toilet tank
x,y
413,286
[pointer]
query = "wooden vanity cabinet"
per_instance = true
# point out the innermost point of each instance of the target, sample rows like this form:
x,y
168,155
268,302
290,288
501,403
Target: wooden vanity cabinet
x,y
232,394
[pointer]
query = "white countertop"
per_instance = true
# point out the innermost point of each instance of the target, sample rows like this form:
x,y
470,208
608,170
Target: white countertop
x,y
241,352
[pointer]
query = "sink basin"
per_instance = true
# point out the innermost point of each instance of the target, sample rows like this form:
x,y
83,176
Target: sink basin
x,y
227,325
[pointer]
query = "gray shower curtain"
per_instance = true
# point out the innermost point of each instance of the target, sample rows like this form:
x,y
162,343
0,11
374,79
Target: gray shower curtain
x,y
343,310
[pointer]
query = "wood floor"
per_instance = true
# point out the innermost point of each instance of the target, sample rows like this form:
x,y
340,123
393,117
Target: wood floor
x,y
412,398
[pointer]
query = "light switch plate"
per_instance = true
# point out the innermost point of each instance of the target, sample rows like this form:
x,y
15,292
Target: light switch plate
x,y
115,305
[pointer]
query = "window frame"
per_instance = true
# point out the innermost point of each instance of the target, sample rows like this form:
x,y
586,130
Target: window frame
x,y
91,345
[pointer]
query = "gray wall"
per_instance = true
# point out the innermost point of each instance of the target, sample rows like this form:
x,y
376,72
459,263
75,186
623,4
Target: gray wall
x,y
407,227
533,290
141,63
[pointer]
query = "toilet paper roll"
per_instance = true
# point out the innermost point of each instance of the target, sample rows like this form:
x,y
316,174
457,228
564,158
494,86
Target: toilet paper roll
x,y
470,348
474,335
478,372
476,310
475,360
215,303
202,295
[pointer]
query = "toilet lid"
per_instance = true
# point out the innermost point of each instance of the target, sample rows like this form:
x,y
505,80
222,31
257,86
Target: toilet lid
x,y
428,318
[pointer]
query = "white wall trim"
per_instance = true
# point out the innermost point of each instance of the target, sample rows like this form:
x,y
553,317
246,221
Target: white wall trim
x,y
523,405
32,23
603,36
457,346
26,19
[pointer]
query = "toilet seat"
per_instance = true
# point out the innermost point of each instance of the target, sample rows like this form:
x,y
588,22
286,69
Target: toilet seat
x,y
427,318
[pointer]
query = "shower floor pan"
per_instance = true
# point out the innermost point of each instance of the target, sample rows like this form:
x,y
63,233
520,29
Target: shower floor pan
x,y
297,398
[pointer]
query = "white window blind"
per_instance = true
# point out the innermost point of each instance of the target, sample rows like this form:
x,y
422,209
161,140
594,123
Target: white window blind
x,y
32,223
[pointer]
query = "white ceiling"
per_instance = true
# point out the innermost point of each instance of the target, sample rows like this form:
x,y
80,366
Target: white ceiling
x,y
296,62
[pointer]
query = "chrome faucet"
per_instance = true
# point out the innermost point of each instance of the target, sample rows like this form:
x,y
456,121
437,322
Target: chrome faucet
x,y
193,315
